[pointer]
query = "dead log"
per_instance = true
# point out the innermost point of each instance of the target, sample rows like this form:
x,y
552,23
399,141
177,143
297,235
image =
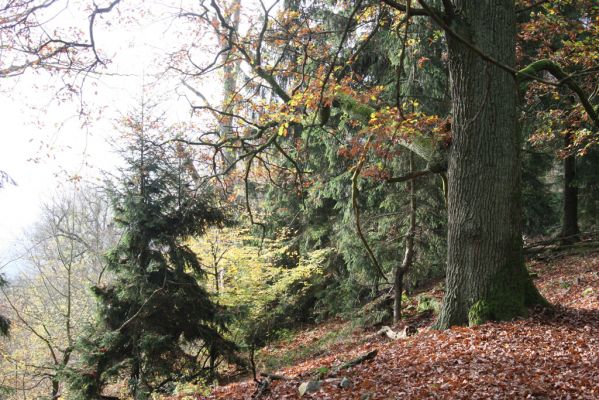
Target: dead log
x,y
262,388
388,332
359,360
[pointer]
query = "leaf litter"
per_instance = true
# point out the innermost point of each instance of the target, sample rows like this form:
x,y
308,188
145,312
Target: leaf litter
x,y
550,354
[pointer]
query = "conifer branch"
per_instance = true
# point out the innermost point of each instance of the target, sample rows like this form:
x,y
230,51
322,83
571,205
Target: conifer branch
x,y
354,199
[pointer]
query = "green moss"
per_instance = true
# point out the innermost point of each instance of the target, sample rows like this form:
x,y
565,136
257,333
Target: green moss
x,y
527,74
479,313
426,303
496,309
510,295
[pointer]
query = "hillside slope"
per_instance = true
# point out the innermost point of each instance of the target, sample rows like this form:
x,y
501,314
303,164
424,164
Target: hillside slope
x,y
551,354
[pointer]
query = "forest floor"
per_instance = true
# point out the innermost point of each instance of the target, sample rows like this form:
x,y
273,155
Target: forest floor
x,y
549,355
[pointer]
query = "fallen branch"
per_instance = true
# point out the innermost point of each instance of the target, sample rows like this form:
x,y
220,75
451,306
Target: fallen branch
x,y
356,361
549,252
275,377
548,242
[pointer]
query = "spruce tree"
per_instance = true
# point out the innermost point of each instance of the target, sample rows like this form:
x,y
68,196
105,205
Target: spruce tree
x,y
155,304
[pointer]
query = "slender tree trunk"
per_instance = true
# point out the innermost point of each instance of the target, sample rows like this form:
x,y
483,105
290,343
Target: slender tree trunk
x,y
570,228
213,357
397,292
138,384
407,262
55,389
486,278
230,72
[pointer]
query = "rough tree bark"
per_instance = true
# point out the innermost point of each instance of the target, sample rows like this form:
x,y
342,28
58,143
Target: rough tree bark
x,y
486,278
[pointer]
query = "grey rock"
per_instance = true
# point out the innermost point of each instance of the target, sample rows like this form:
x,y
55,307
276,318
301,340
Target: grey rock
x,y
309,387
345,382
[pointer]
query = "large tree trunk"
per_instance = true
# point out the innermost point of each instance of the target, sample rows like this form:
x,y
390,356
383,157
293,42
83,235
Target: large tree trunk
x,y
486,278
570,228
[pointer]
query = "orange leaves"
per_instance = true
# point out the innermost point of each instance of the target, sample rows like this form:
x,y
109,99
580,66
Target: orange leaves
x,y
554,357
421,61
283,129
387,122
377,172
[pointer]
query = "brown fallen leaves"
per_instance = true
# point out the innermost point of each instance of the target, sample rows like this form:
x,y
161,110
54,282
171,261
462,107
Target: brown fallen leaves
x,y
546,356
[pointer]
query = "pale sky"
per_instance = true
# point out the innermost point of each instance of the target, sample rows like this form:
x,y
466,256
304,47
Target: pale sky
x,y
44,141
36,127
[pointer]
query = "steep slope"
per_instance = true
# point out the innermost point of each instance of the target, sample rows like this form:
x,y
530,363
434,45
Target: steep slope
x,y
551,354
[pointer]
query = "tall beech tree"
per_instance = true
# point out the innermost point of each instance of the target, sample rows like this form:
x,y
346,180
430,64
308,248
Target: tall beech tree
x,y
486,278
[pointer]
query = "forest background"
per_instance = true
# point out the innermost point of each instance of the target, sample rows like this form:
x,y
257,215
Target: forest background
x,y
319,131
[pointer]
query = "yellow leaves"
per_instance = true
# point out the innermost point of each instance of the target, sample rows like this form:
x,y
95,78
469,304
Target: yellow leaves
x,y
283,129
367,14
411,42
289,16
250,275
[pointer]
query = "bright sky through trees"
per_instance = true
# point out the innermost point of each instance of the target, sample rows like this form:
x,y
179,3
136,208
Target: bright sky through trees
x,y
45,142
